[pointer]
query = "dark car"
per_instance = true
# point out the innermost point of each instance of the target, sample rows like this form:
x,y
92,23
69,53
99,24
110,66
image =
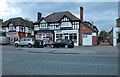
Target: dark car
x,y
38,43
63,43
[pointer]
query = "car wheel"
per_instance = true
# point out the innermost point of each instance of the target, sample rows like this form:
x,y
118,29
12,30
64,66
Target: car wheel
x,y
52,46
16,45
22,46
29,45
66,46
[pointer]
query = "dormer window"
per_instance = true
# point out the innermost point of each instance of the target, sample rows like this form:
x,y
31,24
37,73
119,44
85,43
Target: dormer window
x,y
65,22
11,27
43,24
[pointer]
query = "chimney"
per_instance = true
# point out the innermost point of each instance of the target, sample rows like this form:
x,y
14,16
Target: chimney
x,y
39,15
81,13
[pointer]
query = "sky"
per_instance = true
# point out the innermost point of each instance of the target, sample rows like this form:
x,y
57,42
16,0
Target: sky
x,y
102,14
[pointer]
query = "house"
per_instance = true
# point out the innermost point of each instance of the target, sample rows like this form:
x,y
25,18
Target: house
x,y
1,23
114,34
17,28
65,25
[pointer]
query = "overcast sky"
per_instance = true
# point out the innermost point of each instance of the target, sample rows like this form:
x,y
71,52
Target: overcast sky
x,y
102,14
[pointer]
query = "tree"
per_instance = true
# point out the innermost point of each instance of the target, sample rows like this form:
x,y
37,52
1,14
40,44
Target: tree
x,y
103,36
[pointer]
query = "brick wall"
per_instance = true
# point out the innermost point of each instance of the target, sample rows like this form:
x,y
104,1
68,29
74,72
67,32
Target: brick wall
x,y
86,29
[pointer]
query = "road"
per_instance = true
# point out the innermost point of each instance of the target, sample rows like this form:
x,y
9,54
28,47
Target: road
x,y
16,61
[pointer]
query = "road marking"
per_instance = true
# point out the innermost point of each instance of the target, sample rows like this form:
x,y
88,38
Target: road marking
x,y
93,64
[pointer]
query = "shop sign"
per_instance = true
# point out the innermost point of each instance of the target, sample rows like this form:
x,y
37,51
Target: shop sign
x,y
10,34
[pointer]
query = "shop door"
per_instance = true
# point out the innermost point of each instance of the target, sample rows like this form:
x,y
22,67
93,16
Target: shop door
x,y
11,40
66,36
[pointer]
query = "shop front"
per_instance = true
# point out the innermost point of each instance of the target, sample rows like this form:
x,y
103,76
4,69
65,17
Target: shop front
x,y
68,34
47,35
13,36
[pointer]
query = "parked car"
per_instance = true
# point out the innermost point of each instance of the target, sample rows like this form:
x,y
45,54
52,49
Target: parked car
x,y
47,42
3,39
24,42
63,43
38,43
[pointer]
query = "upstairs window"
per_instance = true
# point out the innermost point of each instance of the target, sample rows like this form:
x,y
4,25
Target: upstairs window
x,y
66,24
22,29
29,30
43,25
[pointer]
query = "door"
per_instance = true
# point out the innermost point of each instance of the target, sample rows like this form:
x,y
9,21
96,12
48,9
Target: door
x,y
87,39
66,36
11,40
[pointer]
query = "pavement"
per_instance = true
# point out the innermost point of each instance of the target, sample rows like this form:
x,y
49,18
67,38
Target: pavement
x,y
75,50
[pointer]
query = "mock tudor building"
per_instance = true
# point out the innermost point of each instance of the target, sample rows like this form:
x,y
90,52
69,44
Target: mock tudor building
x,y
65,25
17,28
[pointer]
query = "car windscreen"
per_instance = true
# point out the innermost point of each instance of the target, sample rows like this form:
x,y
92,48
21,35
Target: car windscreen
x,y
58,41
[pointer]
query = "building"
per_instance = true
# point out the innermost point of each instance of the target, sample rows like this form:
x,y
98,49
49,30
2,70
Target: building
x,y
114,34
1,23
65,25
17,28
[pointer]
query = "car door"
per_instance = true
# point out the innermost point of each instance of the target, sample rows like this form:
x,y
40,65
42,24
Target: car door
x,y
26,41
62,43
21,42
57,43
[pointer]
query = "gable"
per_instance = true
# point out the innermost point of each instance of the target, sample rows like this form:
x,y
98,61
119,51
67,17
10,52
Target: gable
x,y
42,21
86,29
64,18
11,25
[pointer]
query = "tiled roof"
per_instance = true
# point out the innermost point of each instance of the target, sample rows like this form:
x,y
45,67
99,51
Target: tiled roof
x,y
90,25
18,21
55,17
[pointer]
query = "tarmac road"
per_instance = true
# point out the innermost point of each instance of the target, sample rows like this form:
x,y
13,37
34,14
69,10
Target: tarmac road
x,y
98,60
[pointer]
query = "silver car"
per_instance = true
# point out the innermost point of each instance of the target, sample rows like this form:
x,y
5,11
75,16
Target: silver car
x,y
24,42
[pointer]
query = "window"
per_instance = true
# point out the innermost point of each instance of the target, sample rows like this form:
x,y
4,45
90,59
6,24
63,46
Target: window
x,y
4,29
66,24
73,36
43,25
75,25
36,28
11,27
22,29
58,41
29,30
22,39
2,34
